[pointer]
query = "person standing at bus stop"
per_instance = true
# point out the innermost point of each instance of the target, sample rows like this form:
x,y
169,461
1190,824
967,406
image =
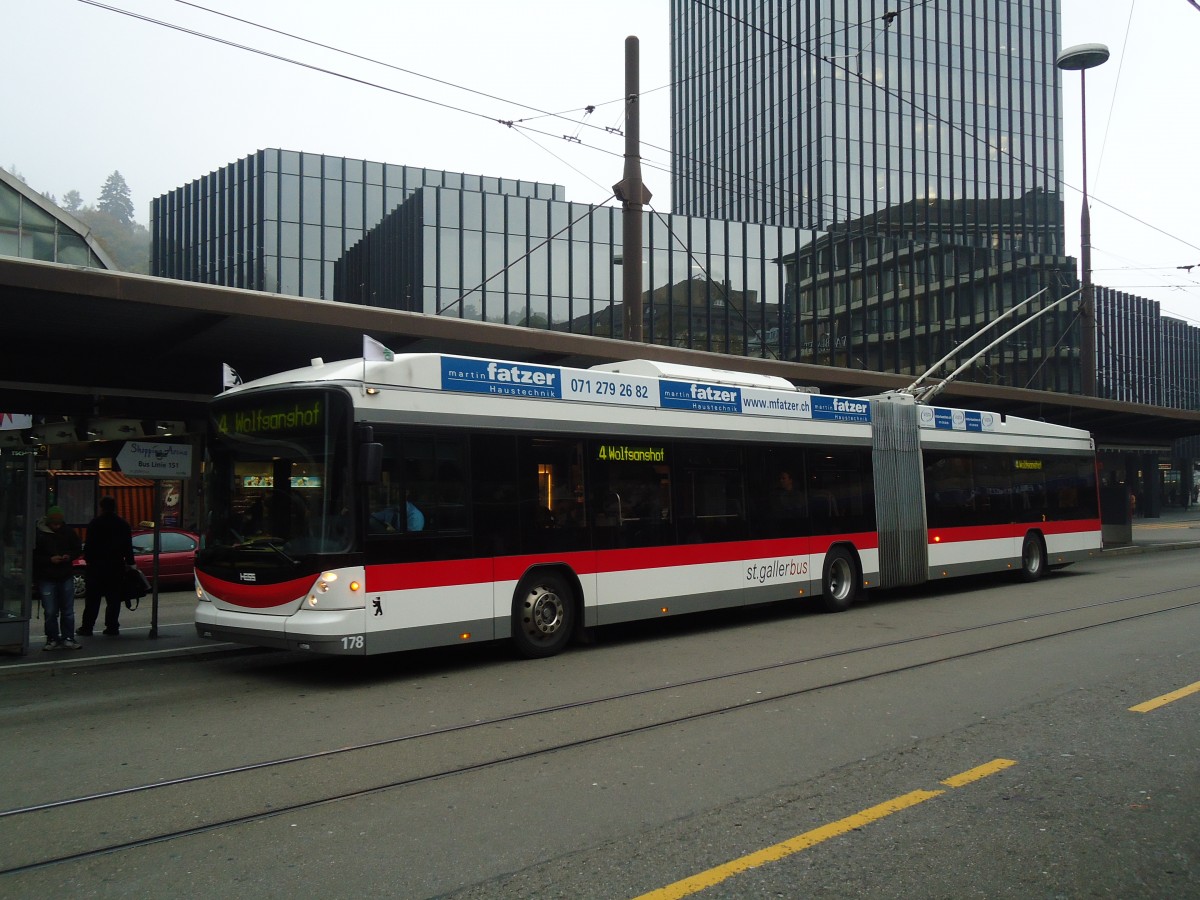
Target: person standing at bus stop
x,y
109,555
55,548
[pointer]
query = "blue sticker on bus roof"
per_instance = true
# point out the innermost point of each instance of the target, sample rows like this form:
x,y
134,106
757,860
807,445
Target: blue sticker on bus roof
x,y
944,419
481,376
700,397
840,409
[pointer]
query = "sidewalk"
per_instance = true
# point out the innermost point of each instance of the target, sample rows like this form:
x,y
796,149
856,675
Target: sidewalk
x,y
176,637
1177,529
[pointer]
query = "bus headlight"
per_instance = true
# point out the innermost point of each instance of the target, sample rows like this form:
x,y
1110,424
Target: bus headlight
x,y
330,591
323,586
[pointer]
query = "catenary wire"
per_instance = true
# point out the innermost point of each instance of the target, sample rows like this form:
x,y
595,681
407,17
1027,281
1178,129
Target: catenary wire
x,y
512,123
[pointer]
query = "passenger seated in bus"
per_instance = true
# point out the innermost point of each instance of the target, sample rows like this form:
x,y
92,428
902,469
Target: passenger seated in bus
x,y
788,503
389,520
823,505
568,513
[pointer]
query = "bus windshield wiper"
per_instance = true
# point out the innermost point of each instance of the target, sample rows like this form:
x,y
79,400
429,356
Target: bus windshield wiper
x,y
273,543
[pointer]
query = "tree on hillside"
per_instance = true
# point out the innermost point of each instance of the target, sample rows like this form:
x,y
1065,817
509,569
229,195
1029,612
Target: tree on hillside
x,y
115,200
128,243
72,201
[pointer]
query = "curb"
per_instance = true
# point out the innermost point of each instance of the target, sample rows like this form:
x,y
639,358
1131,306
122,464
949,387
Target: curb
x,y
61,664
1134,549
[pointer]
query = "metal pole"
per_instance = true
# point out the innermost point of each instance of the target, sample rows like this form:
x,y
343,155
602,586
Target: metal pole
x,y
157,550
1086,306
632,195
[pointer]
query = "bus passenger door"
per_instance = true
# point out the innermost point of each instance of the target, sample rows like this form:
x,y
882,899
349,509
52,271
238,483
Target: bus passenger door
x,y
419,549
634,530
552,521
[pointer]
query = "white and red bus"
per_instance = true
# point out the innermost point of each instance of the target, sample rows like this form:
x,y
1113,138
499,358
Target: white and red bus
x,y
363,507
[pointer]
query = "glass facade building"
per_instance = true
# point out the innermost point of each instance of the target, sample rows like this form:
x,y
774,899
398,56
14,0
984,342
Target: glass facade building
x,y
277,220
919,147
709,285
813,113
854,187
31,227
1144,356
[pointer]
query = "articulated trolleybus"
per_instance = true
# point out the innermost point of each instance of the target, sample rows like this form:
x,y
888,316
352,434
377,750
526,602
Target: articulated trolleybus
x,y
363,507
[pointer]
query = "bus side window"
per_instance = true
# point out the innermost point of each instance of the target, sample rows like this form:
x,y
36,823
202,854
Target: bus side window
x,y
388,504
553,504
840,493
433,472
631,487
710,497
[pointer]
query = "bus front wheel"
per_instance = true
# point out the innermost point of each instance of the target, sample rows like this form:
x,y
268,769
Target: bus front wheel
x,y
543,615
1033,558
839,581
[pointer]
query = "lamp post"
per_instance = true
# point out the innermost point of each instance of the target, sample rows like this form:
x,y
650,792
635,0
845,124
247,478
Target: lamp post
x,y
1082,57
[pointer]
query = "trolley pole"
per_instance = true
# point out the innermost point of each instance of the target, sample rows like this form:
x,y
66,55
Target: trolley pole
x,y
633,196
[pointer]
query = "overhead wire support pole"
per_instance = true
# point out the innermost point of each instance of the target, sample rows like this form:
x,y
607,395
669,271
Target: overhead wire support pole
x,y
633,196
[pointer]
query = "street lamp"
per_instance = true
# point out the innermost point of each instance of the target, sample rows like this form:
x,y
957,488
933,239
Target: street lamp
x,y
1082,57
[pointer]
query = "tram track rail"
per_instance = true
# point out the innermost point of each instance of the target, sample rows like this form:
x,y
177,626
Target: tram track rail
x,y
16,820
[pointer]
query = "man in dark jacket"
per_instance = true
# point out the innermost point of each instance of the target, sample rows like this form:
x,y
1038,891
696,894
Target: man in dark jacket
x,y
108,553
55,547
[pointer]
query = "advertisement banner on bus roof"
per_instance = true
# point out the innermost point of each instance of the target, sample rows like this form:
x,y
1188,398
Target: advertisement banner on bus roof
x,y
508,379
840,409
759,402
700,397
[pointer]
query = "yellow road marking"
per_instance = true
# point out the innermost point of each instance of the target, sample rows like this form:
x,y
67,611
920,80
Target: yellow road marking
x,y
699,882
996,765
1166,698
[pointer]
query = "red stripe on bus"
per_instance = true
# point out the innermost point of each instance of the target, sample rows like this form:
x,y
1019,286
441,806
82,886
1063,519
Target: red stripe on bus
x,y
1016,530
411,576
256,596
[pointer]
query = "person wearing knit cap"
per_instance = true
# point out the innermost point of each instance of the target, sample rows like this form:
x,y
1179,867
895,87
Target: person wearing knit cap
x,y
55,548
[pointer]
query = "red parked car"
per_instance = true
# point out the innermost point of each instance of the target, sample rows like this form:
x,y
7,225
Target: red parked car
x,y
176,558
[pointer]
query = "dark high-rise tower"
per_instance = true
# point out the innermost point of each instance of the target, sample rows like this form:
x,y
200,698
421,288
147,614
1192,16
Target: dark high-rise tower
x,y
919,144
825,113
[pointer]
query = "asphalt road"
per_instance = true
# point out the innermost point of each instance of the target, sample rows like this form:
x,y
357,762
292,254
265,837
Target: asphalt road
x,y
975,739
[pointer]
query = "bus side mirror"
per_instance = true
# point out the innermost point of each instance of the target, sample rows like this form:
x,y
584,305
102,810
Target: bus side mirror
x,y
370,463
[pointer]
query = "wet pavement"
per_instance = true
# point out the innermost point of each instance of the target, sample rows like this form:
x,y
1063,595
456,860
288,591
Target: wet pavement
x,y
175,636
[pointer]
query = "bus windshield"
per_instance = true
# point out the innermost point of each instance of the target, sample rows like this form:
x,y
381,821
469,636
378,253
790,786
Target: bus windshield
x,y
278,478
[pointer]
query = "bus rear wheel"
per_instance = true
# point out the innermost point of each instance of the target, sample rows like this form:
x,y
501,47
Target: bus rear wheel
x,y
839,581
543,615
1033,558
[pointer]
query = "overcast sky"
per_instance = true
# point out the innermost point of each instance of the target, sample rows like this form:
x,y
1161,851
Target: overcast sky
x,y
91,91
